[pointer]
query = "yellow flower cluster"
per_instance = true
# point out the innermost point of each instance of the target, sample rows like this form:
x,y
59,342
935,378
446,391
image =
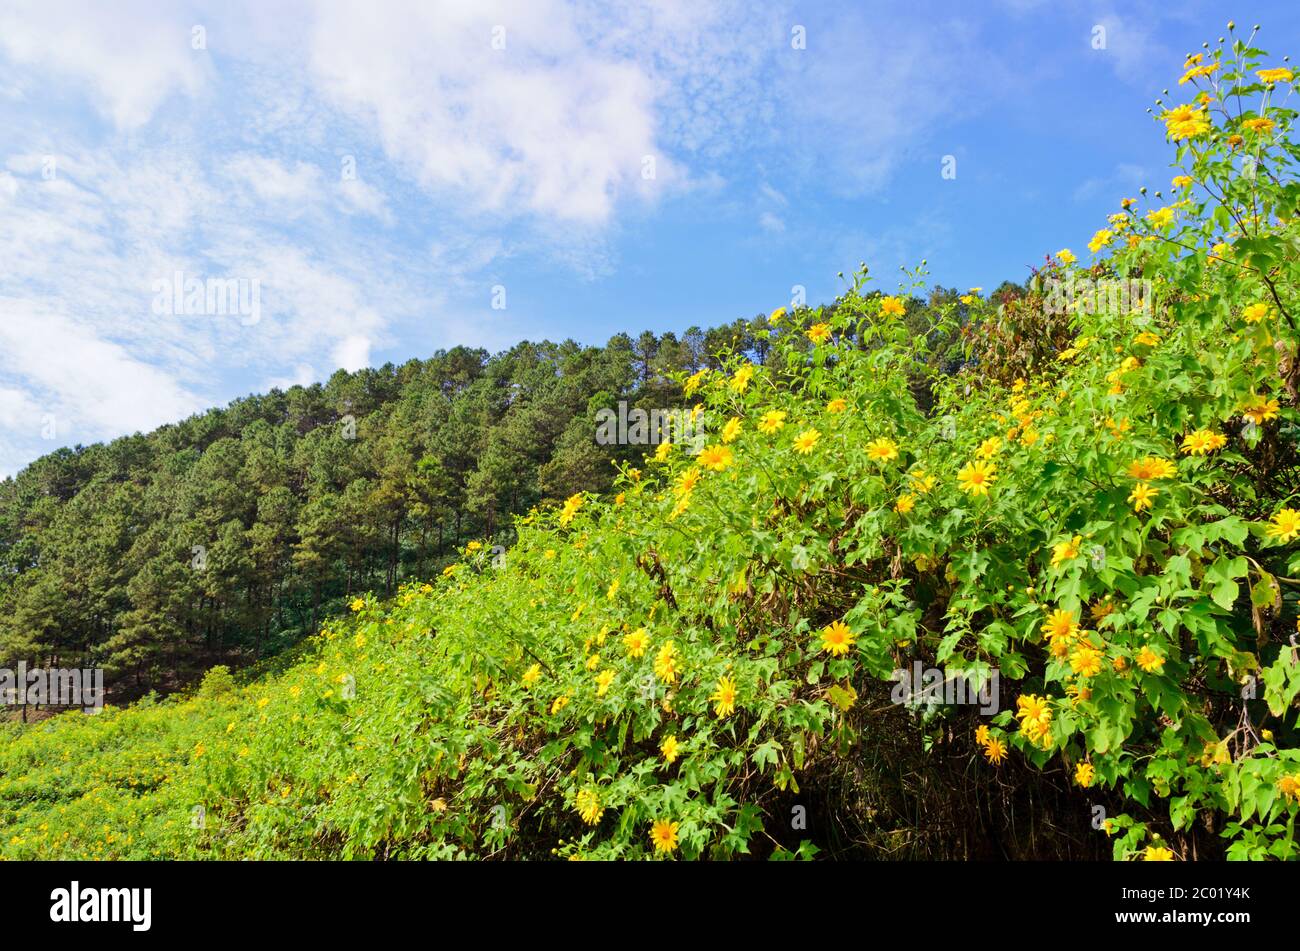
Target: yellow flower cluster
x,y
1035,716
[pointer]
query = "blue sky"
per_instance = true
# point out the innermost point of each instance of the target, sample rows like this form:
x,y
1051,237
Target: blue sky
x,y
379,170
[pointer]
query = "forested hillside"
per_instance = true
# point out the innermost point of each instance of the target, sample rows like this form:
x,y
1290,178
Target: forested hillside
x,y
232,534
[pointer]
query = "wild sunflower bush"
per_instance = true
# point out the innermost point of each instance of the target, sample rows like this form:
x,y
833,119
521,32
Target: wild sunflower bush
x,y
1104,516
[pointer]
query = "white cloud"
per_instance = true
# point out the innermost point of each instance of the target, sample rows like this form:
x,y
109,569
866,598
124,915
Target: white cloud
x,y
275,182
545,126
128,58
1131,47
304,374
352,353
89,384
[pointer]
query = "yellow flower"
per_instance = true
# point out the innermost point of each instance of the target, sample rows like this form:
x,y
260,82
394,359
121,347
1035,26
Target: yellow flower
x,y
772,421
906,502
837,405
819,333
1083,774
571,506
588,806
603,680
1151,468
1194,71
923,482
1286,525
1067,550
804,442
663,834
1289,786
1160,217
669,748
982,734
995,750
1086,661
1203,441
740,380
1157,854
1035,715
716,458
731,430
531,675
693,382
636,642
989,447
976,477
1278,75
1182,181
666,663
892,307
295,691
1066,256
1142,495
882,450
1185,122
724,697
1149,660
1254,313
775,317
1100,240
1261,410
1059,629
1259,125
559,704
837,639
687,481
358,604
